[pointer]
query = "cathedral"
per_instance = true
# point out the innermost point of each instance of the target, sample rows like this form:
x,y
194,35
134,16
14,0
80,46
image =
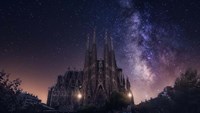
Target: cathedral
x,y
94,84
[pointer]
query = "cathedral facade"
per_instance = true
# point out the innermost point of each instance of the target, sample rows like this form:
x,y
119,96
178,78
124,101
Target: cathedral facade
x,y
94,84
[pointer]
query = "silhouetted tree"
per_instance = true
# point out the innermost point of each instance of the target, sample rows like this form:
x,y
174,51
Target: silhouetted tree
x,y
189,79
87,109
184,97
8,93
118,101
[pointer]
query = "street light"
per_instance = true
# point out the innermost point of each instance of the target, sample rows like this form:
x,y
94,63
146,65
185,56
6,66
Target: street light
x,y
79,96
129,95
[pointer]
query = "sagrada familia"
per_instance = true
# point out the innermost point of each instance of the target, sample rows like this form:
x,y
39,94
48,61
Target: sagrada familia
x,y
94,84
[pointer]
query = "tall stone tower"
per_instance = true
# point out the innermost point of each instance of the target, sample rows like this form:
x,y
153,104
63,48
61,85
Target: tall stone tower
x,y
94,84
101,76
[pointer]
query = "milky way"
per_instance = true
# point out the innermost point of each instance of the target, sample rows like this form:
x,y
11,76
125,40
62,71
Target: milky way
x,y
152,51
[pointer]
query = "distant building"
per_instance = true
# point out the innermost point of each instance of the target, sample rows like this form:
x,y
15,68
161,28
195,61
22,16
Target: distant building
x,y
94,84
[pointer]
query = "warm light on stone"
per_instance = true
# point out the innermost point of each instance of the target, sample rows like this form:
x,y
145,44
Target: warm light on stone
x,y
79,96
129,95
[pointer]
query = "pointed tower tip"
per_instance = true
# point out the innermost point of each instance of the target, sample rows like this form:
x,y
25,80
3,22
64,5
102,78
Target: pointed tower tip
x,y
127,78
106,37
94,36
88,42
111,39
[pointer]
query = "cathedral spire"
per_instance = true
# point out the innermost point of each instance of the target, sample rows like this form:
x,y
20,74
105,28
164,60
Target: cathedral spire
x,y
93,63
128,85
94,50
87,54
94,36
106,50
113,61
106,62
111,40
106,37
88,42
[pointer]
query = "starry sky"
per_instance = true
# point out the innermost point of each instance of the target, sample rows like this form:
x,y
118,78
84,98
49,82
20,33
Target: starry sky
x,y
154,40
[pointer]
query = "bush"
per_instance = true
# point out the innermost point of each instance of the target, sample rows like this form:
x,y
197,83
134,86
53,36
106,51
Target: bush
x,y
117,101
87,109
8,93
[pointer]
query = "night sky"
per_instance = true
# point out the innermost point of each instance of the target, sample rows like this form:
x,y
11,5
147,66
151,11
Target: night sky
x,y
155,40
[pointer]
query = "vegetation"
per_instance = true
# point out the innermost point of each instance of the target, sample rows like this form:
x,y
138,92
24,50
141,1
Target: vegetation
x,y
8,93
87,109
118,101
184,97
11,97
